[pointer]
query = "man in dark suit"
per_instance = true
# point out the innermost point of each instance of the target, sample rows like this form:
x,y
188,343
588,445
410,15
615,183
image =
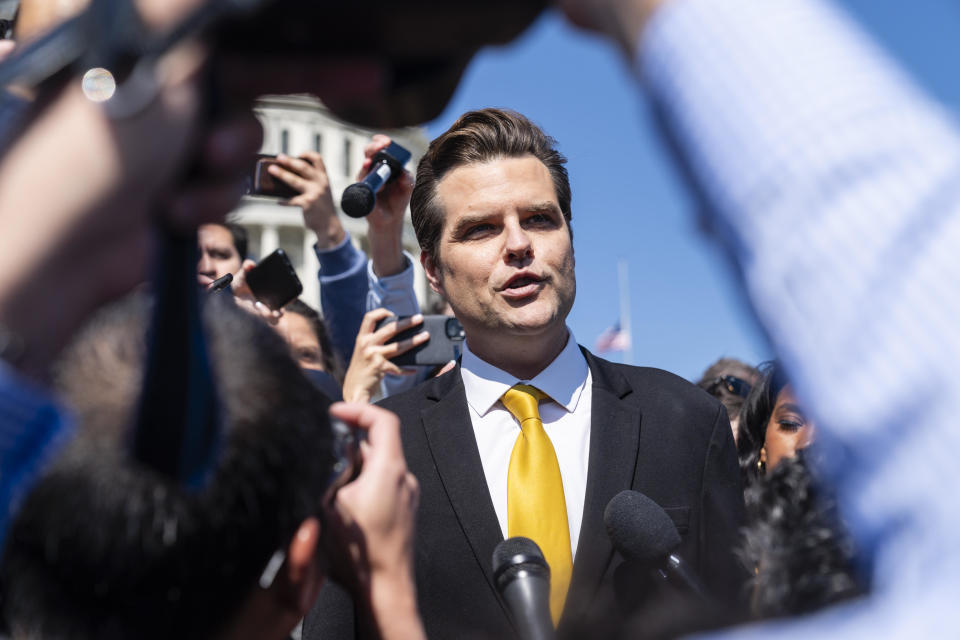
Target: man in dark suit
x,y
491,208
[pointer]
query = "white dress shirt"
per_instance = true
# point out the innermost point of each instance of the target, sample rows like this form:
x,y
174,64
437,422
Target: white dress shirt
x,y
566,419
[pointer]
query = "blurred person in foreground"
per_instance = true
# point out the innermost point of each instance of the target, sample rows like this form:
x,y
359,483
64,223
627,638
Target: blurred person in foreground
x,y
104,548
65,251
730,380
530,434
99,226
832,178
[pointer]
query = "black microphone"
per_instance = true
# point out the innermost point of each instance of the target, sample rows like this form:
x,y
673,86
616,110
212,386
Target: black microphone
x,y
359,198
522,576
643,533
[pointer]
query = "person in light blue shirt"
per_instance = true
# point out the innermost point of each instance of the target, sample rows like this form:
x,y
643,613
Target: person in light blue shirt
x,y
834,182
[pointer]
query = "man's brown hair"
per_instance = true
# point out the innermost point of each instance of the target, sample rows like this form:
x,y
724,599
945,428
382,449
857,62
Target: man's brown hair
x,y
476,137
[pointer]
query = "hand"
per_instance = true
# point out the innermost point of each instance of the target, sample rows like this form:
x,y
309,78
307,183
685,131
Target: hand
x,y
243,296
620,20
371,354
385,222
372,523
6,47
95,228
308,175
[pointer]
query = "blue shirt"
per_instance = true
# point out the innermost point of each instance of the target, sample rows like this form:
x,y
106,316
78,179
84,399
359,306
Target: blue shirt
x,y
32,429
835,183
349,288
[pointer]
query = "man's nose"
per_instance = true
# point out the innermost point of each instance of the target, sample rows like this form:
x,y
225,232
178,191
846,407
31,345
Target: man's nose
x,y
205,264
518,245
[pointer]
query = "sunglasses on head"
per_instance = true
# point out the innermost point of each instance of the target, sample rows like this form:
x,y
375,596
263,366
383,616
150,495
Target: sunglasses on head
x,y
732,384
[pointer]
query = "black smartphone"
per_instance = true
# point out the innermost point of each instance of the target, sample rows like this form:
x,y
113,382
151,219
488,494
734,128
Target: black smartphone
x,y
444,345
346,451
261,183
274,281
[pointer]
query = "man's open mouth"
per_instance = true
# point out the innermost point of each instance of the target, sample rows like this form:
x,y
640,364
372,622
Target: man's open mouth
x,y
521,282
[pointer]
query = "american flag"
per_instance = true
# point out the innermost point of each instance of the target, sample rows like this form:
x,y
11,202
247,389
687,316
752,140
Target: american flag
x,y
613,339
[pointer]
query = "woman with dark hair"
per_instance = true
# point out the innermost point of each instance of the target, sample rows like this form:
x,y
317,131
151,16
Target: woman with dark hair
x,y
306,333
772,425
794,546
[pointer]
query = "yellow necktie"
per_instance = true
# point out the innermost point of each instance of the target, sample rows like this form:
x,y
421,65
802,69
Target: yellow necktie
x,y
536,507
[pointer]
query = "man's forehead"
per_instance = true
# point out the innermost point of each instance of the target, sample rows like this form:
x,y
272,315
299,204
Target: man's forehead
x,y
215,234
477,187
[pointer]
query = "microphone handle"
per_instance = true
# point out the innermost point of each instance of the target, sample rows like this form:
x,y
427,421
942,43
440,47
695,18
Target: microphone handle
x,y
379,175
679,574
528,597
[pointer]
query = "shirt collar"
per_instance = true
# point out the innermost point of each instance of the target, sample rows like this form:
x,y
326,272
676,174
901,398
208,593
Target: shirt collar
x,y
563,380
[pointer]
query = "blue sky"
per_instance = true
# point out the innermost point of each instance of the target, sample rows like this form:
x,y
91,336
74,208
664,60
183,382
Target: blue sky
x,y
628,201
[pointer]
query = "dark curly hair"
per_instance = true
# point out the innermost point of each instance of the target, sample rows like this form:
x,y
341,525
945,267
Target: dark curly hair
x,y
795,547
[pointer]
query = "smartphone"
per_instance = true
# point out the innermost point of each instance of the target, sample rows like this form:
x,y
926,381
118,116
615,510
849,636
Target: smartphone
x,y
444,345
262,183
346,451
274,281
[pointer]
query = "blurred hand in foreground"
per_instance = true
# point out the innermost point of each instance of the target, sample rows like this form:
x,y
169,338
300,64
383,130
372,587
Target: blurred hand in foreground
x,y
373,521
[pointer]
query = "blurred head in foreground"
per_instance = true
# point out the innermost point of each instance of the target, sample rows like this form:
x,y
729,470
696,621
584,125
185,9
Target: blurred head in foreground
x,y
105,548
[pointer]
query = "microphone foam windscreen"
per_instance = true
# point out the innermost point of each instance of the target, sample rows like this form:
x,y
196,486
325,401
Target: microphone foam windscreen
x,y
512,550
517,553
358,200
639,528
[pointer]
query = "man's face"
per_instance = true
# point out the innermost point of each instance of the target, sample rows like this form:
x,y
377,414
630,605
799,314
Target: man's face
x,y
218,256
505,259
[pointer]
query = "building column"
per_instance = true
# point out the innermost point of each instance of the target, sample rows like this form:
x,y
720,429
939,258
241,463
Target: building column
x,y
269,240
311,283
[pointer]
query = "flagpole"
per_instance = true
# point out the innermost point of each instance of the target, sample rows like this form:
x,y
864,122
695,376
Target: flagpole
x,y
622,277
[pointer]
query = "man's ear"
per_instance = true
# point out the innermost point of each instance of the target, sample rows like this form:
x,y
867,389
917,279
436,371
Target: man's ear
x,y
301,572
432,269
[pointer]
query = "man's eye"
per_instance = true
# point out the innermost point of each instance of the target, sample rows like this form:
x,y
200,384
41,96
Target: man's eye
x,y
540,220
477,230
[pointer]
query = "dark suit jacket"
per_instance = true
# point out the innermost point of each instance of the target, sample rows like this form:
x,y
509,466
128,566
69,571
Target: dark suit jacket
x,y
651,431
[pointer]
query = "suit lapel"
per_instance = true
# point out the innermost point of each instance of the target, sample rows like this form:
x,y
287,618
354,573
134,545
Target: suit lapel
x,y
614,441
449,431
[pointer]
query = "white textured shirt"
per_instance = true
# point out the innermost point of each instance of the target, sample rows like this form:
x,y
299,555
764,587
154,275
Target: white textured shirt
x,y
566,419
835,183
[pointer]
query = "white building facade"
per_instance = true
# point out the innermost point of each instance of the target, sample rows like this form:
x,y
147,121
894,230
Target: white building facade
x,y
296,124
